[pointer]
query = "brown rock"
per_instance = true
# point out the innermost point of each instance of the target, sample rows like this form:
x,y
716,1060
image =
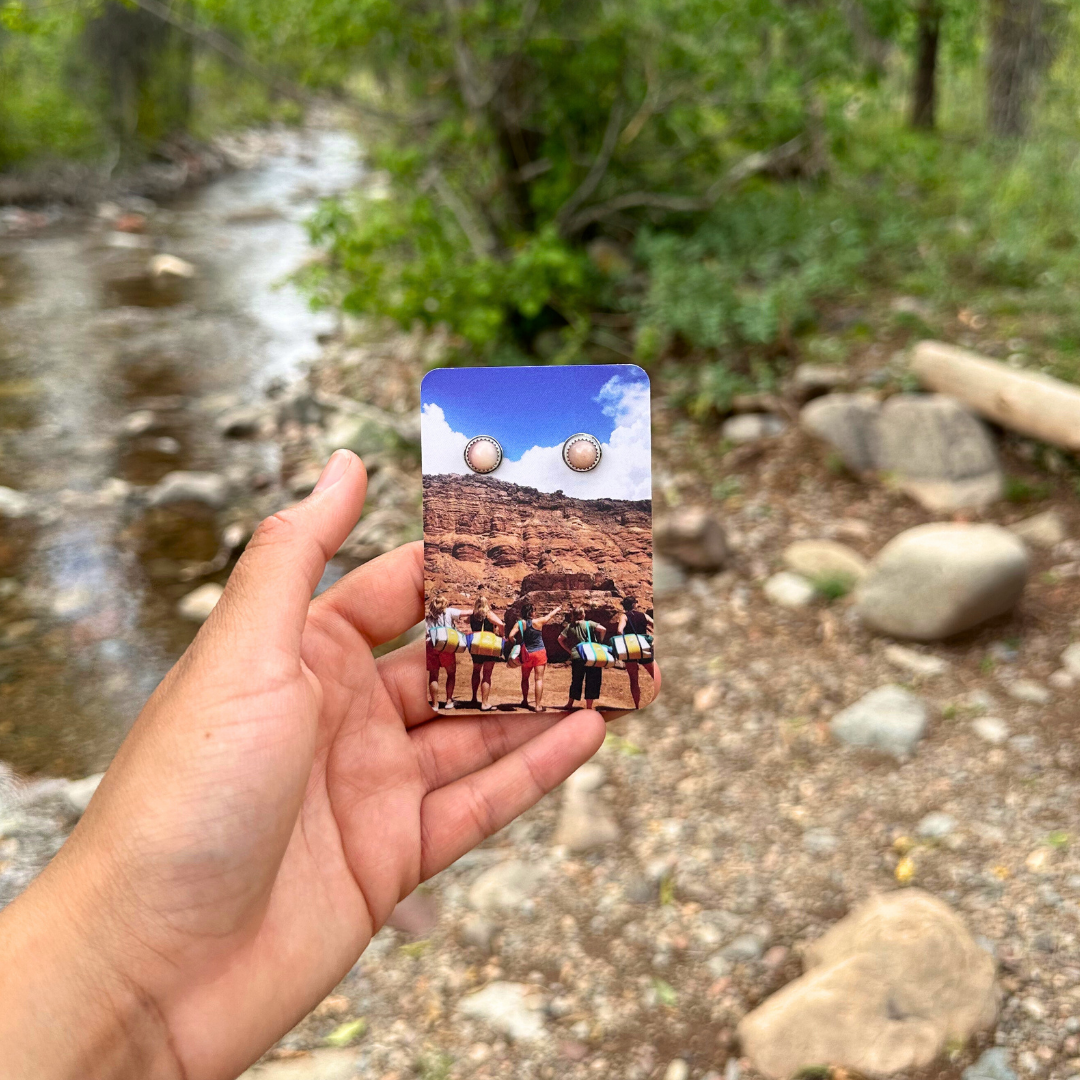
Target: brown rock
x,y
509,541
885,990
694,537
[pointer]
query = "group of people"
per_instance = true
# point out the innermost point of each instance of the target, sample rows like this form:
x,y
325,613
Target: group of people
x,y
527,635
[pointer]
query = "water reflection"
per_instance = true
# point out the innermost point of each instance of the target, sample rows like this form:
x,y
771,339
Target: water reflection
x,y
112,376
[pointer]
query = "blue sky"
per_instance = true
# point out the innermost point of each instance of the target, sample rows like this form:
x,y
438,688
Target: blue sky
x,y
524,407
532,412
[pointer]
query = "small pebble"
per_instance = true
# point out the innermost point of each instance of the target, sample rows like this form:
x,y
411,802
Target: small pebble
x,y
992,729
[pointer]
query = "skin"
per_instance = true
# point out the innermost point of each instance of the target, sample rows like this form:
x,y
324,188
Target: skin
x,y
633,665
601,633
451,681
481,675
279,794
538,682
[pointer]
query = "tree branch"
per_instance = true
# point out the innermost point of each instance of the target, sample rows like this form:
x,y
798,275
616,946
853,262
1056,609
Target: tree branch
x,y
598,169
481,242
757,162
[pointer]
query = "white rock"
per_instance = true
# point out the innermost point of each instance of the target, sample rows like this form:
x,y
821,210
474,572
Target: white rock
x,y
934,581
749,427
816,559
14,504
198,603
318,1065
1070,659
885,991
511,1009
890,719
677,1070
935,825
79,792
1029,691
991,729
1044,530
584,819
137,422
1061,679
789,590
505,886
848,423
209,488
921,664
815,378
942,454
170,266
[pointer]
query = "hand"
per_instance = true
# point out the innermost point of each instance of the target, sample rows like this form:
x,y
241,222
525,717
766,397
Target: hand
x,y
280,792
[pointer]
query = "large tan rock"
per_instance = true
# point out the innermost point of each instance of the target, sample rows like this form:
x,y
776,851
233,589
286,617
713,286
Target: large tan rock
x,y
886,989
937,580
816,559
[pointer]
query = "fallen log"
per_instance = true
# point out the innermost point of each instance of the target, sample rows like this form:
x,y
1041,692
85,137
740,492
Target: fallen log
x,y
1027,402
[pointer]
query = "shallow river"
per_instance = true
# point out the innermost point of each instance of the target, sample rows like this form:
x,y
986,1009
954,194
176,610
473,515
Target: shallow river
x,y
108,377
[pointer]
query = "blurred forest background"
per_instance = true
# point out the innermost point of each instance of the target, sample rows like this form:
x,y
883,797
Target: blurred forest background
x,y
690,183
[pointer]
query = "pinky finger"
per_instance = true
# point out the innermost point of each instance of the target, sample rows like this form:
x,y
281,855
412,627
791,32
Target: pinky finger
x,y
455,818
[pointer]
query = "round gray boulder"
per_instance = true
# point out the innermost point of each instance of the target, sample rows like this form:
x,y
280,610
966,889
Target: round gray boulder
x,y
937,580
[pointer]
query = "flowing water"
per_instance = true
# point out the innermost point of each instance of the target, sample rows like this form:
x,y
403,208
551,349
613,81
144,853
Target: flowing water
x,y
109,379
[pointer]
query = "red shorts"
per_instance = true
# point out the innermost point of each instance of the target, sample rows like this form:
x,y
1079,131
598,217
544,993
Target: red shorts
x,y
530,660
436,660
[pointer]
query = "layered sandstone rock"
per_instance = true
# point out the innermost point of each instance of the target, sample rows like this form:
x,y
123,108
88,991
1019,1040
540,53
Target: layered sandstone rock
x,y
481,534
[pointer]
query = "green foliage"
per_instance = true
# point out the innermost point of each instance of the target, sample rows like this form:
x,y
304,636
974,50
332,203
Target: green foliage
x,y
833,586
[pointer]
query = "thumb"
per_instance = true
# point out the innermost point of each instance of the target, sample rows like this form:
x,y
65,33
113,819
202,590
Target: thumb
x,y
269,590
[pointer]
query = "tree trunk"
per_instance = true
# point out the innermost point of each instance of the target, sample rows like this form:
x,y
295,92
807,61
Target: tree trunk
x,y
924,87
1019,53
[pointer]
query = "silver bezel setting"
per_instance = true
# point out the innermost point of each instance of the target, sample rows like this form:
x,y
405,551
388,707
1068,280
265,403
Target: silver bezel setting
x,y
483,438
577,438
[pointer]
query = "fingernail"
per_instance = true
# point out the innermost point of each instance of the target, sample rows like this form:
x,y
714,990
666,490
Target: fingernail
x,y
334,470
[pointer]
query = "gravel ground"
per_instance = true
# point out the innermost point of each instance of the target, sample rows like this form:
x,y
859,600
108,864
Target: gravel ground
x,y
743,830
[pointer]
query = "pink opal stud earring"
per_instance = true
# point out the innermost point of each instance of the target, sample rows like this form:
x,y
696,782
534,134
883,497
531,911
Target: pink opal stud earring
x,y
581,452
483,454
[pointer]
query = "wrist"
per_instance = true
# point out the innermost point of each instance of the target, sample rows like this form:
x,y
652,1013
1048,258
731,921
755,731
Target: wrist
x,y
65,1011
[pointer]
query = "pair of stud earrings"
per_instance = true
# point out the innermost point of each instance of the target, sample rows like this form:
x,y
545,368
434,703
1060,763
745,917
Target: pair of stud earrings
x,y
581,452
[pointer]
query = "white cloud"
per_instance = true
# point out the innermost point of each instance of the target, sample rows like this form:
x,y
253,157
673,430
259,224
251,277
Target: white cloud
x,y
624,472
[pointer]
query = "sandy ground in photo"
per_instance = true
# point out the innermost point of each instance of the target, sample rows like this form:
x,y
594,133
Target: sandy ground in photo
x,y
506,687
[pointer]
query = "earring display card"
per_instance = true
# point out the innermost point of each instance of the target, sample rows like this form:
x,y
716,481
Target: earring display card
x,y
538,569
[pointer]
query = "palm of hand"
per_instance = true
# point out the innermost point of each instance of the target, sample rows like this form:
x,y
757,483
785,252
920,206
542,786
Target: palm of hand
x,y
288,789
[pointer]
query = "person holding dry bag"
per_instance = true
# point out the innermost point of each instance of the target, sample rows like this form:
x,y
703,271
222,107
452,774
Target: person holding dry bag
x,y
590,674
633,643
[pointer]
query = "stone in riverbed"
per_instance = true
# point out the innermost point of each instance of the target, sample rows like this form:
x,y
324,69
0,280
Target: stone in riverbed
x,y
825,560
505,886
512,1009
14,504
886,989
934,581
935,825
1070,659
197,605
848,423
789,590
210,489
890,719
941,453
993,1064
750,427
693,537
318,1065
1044,530
919,664
584,820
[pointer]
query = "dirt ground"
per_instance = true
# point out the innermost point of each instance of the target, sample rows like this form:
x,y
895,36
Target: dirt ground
x,y
506,688
740,817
